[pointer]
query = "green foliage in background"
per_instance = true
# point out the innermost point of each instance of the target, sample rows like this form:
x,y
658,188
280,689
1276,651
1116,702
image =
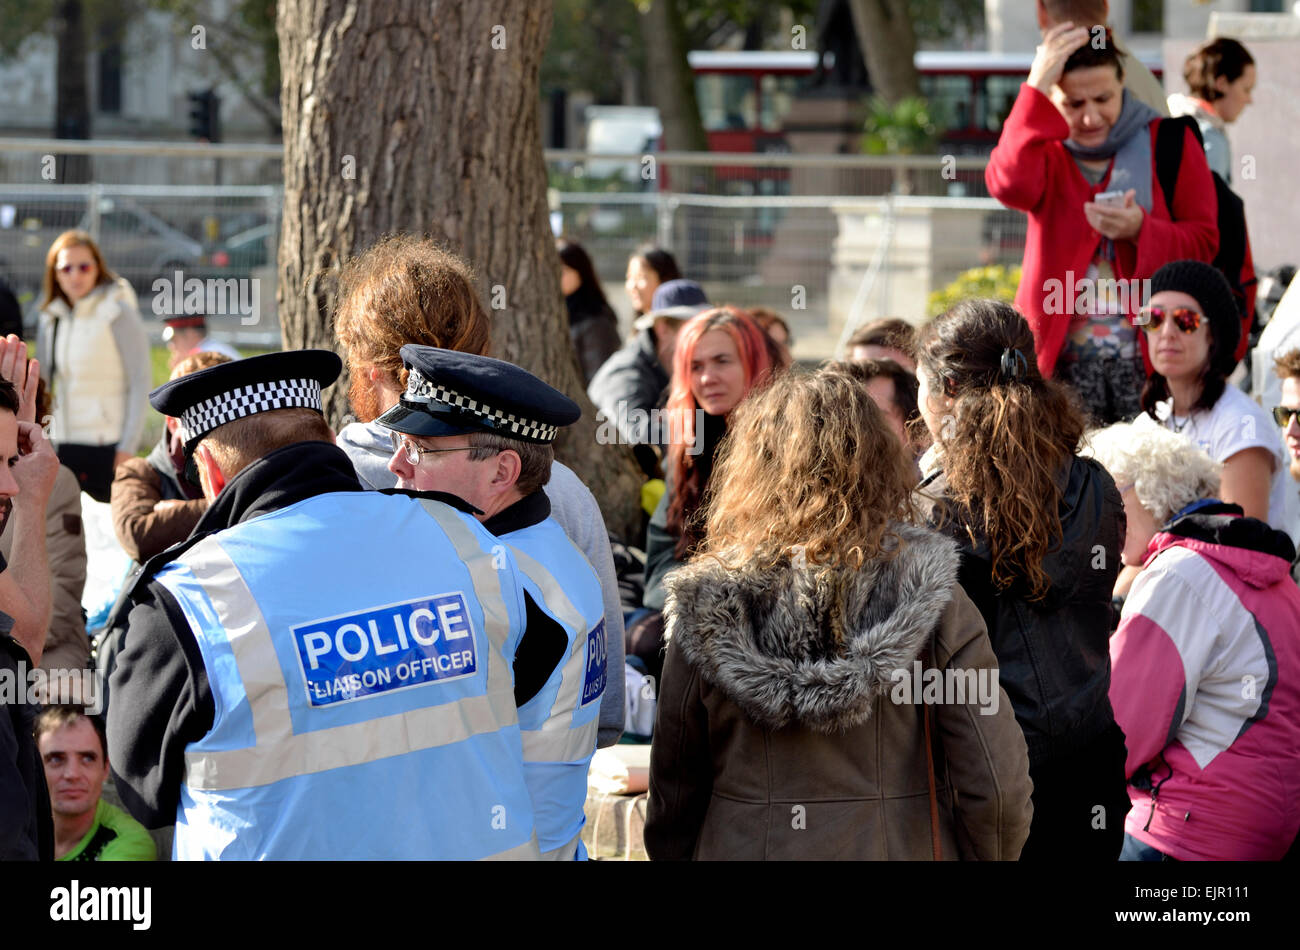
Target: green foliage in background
x,y
996,283
936,22
907,128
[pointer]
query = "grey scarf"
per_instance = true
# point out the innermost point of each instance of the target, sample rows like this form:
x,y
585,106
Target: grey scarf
x,y
1130,144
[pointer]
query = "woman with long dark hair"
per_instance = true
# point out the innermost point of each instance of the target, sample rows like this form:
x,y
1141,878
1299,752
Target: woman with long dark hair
x,y
788,727
1041,531
647,268
592,324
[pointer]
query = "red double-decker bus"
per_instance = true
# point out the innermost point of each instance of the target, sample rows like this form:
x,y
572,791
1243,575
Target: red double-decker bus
x,y
745,97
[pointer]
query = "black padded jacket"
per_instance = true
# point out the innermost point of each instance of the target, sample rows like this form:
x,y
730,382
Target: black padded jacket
x,y
1053,653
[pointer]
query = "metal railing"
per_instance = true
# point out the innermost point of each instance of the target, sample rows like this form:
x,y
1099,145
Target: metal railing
x,y
782,230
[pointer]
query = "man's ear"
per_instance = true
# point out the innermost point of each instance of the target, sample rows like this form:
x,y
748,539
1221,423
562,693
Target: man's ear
x,y
509,465
210,474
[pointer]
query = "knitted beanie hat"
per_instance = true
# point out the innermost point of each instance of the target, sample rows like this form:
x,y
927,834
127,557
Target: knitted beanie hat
x,y
1210,289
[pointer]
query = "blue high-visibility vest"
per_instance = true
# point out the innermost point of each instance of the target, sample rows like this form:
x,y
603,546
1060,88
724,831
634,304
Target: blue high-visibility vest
x,y
559,724
359,648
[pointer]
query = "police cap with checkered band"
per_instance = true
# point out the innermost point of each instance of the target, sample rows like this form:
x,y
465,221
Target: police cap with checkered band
x,y
451,393
210,398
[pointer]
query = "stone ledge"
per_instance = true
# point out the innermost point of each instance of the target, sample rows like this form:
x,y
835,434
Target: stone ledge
x,y
1254,26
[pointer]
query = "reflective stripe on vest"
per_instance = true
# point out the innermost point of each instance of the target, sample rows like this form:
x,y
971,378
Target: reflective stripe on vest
x,y
559,731
279,753
558,603
437,752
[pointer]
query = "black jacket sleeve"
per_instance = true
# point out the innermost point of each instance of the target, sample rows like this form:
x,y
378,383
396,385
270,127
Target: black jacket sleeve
x,y
26,827
161,702
660,554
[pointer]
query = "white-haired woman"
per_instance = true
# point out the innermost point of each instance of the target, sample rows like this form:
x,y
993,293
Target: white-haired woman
x,y
1205,665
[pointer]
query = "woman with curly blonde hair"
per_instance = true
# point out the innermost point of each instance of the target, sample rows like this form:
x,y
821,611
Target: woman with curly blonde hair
x,y
788,726
1040,530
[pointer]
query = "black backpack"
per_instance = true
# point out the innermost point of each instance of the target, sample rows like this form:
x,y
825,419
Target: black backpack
x,y
1231,259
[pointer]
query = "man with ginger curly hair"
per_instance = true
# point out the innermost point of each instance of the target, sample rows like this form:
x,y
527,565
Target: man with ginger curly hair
x,y
409,290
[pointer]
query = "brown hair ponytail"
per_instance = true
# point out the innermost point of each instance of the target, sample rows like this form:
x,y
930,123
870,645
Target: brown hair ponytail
x,y
1011,436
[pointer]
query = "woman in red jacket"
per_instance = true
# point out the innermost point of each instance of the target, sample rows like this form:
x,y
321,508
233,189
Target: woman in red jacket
x,y
1073,136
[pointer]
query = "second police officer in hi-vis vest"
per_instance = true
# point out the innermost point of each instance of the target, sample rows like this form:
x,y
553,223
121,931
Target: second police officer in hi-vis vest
x,y
318,672
481,429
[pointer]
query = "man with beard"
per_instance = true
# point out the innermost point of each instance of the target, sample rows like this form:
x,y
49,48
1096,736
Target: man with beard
x,y
408,290
1288,370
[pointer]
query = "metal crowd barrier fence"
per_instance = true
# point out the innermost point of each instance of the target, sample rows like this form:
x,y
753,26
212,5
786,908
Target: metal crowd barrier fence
x,y
824,240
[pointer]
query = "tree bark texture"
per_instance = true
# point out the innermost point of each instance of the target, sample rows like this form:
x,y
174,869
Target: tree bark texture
x,y
670,82
422,117
884,29
72,89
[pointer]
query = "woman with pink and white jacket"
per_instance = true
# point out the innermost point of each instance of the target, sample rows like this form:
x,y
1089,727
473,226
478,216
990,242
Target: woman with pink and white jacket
x,y
1205,665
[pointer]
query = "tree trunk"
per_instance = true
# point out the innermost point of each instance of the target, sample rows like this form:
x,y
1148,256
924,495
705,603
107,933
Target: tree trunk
x,y
423,117
72,91
669,79
884,29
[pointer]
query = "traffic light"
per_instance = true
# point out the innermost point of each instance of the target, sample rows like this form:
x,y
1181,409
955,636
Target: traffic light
x,y
205,118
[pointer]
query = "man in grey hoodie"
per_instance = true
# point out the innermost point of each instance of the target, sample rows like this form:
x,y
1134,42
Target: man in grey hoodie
x,y
408,290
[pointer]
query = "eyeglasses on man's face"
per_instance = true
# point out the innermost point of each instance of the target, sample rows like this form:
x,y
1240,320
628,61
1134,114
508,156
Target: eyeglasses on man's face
x,y
413,452
1283,415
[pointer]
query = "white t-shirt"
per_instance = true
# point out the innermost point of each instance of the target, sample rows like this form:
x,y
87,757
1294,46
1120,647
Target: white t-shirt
x,y
1234,424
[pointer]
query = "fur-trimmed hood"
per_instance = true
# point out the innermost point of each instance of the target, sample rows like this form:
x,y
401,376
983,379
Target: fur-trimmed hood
x,y
767,638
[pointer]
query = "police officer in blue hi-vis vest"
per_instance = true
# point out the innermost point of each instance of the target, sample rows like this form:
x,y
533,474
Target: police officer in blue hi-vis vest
x,y
481,429
319,671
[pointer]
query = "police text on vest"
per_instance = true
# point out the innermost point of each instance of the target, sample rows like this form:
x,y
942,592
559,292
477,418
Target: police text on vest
x,y
593,682
426,640
103,903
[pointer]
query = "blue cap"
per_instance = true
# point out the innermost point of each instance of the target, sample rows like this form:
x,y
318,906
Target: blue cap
x,y
451,393
675,300
211,397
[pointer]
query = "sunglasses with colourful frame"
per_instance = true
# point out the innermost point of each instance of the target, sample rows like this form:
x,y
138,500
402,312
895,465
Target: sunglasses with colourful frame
x,y
1185,318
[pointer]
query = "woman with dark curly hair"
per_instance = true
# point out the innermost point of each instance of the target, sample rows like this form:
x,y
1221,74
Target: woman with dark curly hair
x,y
1041,531
786,729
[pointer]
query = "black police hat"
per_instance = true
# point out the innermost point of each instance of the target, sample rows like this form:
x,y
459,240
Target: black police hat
x,y
451,393
212,397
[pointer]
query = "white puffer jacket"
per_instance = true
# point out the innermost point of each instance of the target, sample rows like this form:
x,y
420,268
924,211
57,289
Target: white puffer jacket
x,y
92,391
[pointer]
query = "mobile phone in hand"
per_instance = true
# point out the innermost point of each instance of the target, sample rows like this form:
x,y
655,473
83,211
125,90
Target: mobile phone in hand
x,y
1110,199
